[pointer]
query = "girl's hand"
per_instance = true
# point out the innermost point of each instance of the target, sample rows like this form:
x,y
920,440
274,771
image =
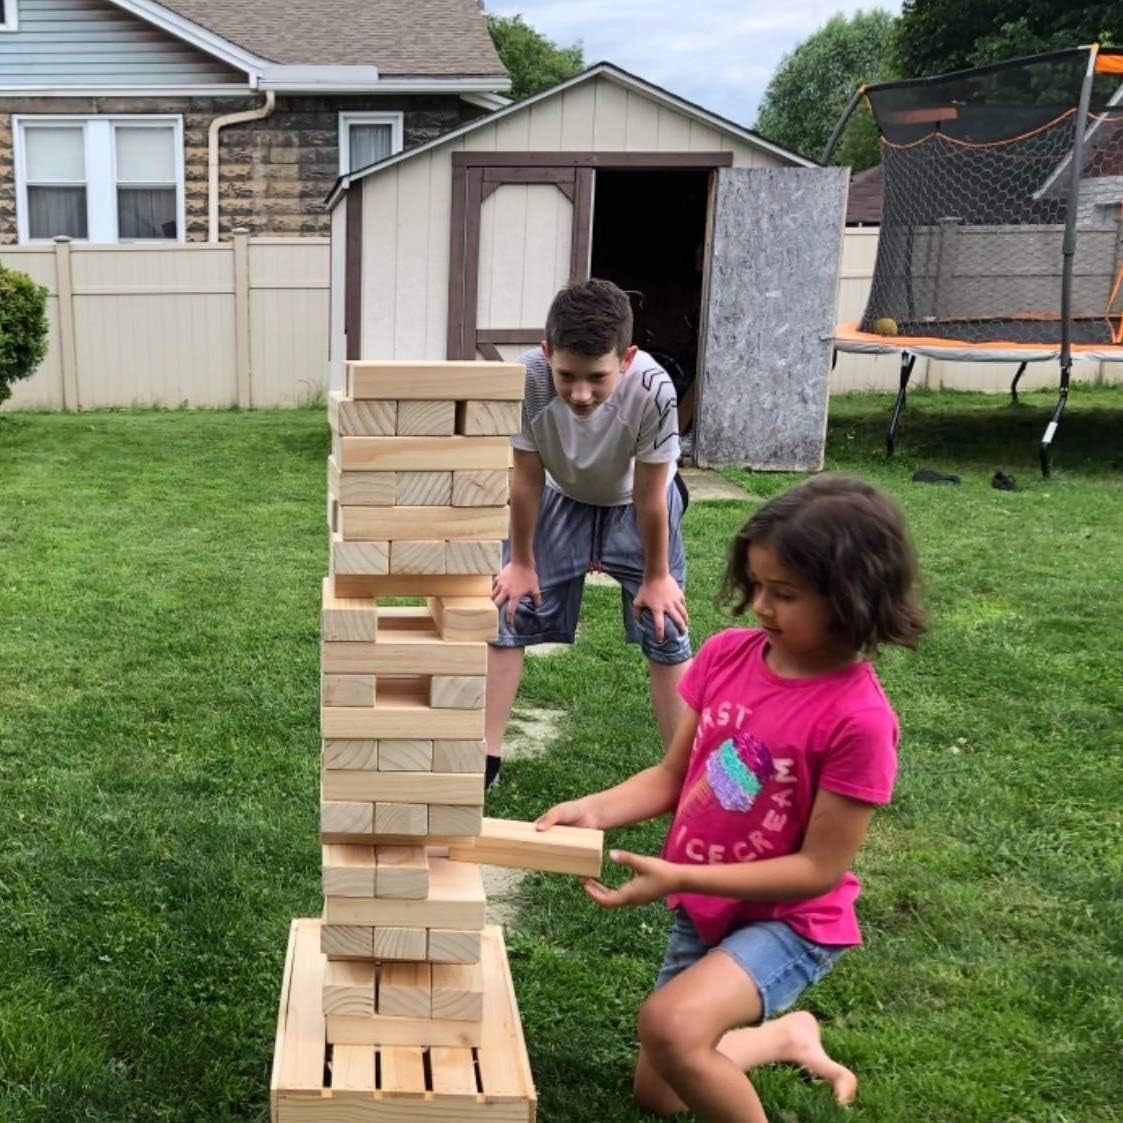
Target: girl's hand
x,y
654,878
575,813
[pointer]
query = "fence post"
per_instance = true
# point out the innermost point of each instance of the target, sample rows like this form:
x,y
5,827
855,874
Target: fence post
x,y
65,286
242,317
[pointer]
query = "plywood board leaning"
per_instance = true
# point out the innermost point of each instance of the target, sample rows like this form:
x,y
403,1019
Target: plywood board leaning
x,y
417,381
347,619
508,842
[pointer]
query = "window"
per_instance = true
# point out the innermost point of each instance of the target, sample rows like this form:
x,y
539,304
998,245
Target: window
x,y
105,179
9,15
365,138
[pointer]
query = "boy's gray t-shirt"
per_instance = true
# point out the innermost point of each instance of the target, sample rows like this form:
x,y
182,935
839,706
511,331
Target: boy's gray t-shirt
x,y
592,459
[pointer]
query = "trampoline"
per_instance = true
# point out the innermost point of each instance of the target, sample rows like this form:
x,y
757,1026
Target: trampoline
x,y
1002,227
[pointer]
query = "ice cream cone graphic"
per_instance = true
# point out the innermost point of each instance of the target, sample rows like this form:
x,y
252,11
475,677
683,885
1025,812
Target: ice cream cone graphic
x,y
735,773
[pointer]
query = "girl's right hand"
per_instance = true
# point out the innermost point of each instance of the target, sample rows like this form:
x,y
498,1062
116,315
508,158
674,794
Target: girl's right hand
x,y
574,813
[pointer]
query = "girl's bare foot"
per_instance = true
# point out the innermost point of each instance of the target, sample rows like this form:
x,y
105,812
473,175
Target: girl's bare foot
x,y
804,1047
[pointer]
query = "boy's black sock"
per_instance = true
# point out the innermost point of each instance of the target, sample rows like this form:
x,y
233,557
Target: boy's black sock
x,y
491,771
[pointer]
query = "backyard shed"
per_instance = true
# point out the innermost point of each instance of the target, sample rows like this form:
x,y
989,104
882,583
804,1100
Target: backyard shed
x,y
728,243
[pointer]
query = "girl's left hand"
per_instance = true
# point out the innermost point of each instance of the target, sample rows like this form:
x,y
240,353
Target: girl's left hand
x,y
654,878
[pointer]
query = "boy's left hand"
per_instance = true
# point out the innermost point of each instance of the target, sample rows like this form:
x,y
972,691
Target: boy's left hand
x,y
654,878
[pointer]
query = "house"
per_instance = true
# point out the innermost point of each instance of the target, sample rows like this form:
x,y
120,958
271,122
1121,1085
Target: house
x,y
131,120
728,242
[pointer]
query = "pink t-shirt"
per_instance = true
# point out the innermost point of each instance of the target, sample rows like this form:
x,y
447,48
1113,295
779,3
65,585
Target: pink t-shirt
x,y
764,746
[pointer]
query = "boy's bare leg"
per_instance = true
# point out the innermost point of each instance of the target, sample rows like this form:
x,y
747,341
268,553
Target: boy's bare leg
x,y
504,672
665,701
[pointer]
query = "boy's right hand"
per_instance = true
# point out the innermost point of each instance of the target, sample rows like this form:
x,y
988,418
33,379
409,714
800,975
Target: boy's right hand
x,y
514,582
574,813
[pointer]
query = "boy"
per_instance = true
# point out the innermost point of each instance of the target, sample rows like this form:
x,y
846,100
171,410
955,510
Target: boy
x,y
593,487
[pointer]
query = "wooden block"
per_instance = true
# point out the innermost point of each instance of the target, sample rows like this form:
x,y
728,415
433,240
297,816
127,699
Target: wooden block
x,y
398,943
348,988
353,1070
367,418
408,644
348,871
361,489
422,454
480,489
453,945
349,585
355,755
346,690
508,842
473,557
405,754
417,557
346,941
404,990
457,692
346,619
370,559
424,489
400,787
456,900
410,819
486,419
426,419
337,817
473,524
435,380
402,1071
456,991
412,1032
453,1071
402,871
400,719
453,820
459,756
465,618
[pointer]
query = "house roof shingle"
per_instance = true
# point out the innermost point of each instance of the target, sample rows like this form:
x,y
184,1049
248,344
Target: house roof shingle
x,y
443,38
863,206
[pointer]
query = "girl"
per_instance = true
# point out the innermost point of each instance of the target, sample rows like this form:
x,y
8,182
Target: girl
x,y
787,745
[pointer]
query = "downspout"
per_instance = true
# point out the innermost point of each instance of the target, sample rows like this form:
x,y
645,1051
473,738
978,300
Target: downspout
x,y
212,154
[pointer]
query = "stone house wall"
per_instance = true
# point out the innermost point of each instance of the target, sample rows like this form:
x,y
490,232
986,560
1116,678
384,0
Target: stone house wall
x,y
273,174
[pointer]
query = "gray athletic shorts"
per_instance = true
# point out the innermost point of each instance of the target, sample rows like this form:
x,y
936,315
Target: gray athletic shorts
x,y
573,538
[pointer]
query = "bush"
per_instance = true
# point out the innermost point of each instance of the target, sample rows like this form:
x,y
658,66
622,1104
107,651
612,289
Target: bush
x,y
23,328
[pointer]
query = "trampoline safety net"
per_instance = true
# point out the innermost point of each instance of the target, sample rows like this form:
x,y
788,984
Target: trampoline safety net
x,y
978,187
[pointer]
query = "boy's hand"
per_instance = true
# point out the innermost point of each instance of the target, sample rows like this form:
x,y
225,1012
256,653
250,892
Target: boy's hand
x,y
513,583
575,813
661,596
654,879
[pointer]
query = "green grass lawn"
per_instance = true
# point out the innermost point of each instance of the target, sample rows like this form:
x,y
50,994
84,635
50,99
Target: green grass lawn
x,y
159,587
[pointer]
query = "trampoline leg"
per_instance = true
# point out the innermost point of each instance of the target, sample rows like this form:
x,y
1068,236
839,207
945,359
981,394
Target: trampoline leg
x,y
1014,384
907,362
1054,421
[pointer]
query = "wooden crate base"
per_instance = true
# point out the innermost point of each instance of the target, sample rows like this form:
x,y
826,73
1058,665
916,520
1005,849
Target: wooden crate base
x,y
314,1082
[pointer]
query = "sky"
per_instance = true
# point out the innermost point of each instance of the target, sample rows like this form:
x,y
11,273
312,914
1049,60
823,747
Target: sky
x,y
718,53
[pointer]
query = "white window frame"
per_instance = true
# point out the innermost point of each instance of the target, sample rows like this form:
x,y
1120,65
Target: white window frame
x,y
10,22
101,171
347,118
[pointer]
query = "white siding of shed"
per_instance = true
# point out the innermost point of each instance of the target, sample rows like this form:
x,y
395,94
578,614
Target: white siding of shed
x,y
93,42
406,209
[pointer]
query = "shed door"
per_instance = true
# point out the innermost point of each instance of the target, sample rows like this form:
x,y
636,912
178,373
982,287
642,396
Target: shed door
x,y
774,254
519,233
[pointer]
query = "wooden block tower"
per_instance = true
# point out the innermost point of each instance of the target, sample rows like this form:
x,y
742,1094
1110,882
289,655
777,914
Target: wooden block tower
x,y
398,1003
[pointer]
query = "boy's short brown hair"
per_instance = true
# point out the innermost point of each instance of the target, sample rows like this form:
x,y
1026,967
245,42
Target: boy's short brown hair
x,y
848,541
590,318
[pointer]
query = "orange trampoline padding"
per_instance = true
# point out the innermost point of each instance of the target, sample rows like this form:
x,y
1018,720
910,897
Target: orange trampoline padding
x,y
850,333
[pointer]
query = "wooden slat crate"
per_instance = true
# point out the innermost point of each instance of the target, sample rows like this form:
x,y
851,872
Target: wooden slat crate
x,y
314,1082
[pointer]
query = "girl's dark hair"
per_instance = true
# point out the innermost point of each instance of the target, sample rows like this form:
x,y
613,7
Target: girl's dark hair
x,y
848,541
590,318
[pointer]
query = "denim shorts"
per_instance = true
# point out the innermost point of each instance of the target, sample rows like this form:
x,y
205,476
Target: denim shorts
x,y
782,963
572,538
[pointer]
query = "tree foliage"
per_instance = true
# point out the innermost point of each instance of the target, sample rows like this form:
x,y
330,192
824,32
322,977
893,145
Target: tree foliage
x,y
813,84
23,328
532,60
935,36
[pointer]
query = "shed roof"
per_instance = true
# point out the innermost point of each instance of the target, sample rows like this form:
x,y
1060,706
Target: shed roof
x,y
606,70
399,37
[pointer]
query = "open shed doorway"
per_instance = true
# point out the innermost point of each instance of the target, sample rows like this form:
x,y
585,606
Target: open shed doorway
x,y
649,236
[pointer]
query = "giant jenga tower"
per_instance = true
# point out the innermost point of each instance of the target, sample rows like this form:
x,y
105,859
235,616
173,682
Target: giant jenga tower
x,y
397,1005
